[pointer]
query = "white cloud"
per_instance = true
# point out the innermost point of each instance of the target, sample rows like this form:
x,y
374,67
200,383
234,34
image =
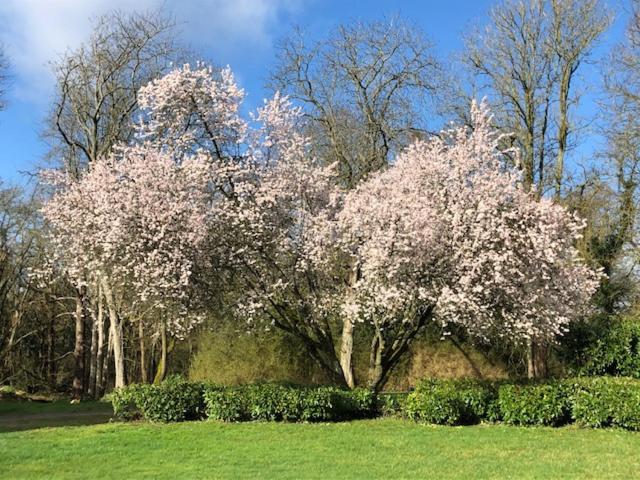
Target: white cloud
x,y
34,32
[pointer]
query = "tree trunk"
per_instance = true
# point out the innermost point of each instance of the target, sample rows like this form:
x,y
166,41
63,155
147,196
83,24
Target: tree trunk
x,y
106,362
51,353
537,355
93,356
78,351
115,328
161,372
346,352
144,377
376,359
99,381
346,340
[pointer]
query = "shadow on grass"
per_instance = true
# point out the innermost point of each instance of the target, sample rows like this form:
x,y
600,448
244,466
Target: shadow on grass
x,y
20,416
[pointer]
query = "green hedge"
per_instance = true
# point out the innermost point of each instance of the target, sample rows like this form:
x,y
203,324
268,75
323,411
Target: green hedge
x,y
174,400
587,401
616,351
177,400
271,402
451,402
606,401
535,404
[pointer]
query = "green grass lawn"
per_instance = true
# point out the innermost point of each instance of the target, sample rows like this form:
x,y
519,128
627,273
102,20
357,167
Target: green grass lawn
x,y
365,449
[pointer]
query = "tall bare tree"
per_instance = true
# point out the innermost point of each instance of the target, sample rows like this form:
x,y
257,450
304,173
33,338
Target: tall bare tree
x,y
364,88
94,108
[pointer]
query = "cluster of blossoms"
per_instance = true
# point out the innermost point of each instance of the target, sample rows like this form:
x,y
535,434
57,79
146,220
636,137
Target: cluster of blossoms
x,y
449,227
137,220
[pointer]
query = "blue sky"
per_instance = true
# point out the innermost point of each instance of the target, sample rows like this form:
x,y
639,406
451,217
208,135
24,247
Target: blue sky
x,y
239,33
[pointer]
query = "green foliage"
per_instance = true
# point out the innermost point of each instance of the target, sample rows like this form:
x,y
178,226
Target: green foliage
x,y
534,404
391,404
606,401
272,402
126,402
616,351
451,402
174,400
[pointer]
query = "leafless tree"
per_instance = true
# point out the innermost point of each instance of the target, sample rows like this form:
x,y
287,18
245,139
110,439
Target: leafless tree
x,y
529,56
364,89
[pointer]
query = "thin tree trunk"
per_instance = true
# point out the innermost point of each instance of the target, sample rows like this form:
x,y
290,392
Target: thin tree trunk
x,y
106,362
144,378
51,353
93,355
161,372
99,381
346,339
78,351
115,327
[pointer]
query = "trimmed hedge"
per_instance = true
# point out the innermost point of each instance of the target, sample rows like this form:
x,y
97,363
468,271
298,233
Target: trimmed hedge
x,y
176,400
587,401
271,402
535,404
451,402
606,402
616,351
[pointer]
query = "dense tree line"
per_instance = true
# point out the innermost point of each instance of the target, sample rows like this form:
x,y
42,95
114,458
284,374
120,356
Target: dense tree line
x,y
346,213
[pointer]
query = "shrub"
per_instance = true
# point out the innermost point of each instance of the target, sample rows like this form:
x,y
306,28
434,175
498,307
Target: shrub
x,y
226,404
616,352
534,404
125,402
606,401
451,402
174,400
272,402
391,404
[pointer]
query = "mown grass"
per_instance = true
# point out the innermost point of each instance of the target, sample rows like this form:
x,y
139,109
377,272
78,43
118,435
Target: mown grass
x,y
386,448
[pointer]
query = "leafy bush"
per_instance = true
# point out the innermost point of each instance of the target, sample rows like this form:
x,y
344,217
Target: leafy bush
x,y
451,402
391,404
126,402
272,402
606,401
534,404
226,404
616,352
174,400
